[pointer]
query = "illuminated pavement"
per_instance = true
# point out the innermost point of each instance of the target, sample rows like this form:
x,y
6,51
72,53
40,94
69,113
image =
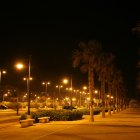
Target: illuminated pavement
x,y
120,126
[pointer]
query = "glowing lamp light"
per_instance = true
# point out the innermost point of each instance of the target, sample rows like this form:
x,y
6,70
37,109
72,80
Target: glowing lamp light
x,y
65,81
19,66
96,91
3,71
85,87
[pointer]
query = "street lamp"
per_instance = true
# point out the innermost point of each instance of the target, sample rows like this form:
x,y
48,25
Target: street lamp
x,y
59,87
28,81
65,81
46,84
4,95
1,72
84,87
97,92
27,78
76,95
21,66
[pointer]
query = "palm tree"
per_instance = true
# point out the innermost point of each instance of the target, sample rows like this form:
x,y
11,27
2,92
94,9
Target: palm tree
x,y
122,93
109,75
109,81
86,58
137,28
117,80
101,70
104,65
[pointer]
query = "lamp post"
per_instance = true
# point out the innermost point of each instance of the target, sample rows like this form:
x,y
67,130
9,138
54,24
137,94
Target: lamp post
x,y
4,95
28,91
97,92
46,85
65,81
1,72
28,85
20,66
76,91
59,87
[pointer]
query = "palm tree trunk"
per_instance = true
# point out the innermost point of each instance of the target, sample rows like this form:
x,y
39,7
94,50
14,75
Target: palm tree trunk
x,y
114,100
122,106
109,99
91,88
103,96
119,99
121,103
117,107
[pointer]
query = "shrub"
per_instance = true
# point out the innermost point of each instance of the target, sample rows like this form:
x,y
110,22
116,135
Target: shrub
x,y
87,111
57,115
34,105
134,103
106,109
23,117
13,105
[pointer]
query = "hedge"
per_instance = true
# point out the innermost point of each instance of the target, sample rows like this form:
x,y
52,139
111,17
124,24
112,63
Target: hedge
x,y
56,115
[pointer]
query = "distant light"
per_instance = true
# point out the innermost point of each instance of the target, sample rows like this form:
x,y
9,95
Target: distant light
x,y
46,83
19,66
68,88
66,98
74,99
31,78
5,94
3,71
84,87
65,81
27,78
24,78
112,97
96,91
107,95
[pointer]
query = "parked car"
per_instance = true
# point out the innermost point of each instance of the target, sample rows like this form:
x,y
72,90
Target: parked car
x,y
3,107
68,107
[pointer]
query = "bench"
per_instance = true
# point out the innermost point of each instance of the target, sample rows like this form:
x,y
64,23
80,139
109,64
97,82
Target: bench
x,y
44,119
27,122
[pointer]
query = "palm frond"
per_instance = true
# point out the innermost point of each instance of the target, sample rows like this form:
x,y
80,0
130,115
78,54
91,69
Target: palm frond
x,y
84,68
76,58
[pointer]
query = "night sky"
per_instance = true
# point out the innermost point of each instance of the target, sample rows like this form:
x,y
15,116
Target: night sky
x,y
50,32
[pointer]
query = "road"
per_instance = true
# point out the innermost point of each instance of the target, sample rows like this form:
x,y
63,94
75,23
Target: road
x,y
120,126
11,112
10,115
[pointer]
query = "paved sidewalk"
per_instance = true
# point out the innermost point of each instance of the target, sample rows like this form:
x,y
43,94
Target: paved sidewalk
x,y
114,118
124,125
9,119
131,115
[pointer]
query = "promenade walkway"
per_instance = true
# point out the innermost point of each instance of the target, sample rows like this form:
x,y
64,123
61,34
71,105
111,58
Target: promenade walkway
x,y
130,115
124,125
